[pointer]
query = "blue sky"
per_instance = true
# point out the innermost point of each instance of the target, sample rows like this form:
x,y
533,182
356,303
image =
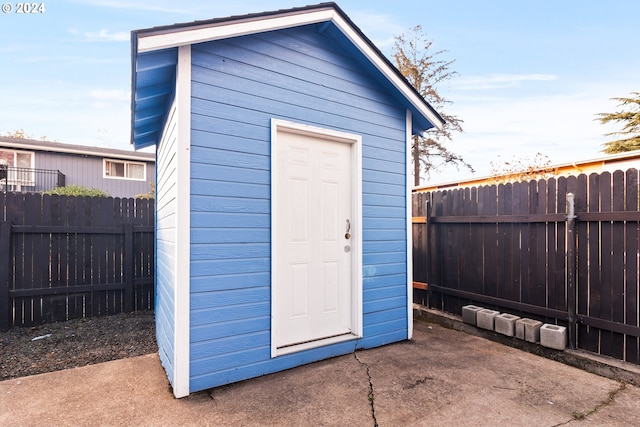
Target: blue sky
x,y
532,75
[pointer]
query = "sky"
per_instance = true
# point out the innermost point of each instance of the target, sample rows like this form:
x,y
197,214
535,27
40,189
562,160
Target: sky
x,y
531,75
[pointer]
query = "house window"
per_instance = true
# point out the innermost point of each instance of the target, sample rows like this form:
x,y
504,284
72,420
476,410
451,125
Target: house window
x,y
125,170
18,167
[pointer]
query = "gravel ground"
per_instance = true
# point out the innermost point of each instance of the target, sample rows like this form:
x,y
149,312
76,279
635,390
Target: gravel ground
x,y
80,342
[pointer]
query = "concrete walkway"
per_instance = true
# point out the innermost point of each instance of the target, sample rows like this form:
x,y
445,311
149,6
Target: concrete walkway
x,y
442,377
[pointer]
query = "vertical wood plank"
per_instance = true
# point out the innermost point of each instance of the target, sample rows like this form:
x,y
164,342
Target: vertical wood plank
x,y
506,285
473,250
559,285
522,231
75,302
582,262
552,239
617,263
593,230
606,271
15,216
632,276
435,242
489,240
32,305
83,250
544,247
5,274
128,268
92,259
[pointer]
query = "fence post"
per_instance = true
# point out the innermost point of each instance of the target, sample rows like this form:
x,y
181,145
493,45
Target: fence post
x,y
128,268
5,268
571,268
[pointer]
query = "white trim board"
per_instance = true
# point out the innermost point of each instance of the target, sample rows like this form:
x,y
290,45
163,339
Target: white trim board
x,y
153,41
183,222
409,198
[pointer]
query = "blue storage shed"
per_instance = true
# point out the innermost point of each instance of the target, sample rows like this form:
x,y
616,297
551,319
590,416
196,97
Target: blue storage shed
x,y
283,231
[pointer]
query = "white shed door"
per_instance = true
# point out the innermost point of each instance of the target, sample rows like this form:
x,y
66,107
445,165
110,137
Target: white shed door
x,y
312,242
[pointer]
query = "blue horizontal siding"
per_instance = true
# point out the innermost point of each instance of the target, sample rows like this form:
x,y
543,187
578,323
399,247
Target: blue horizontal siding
x,y
166,233
238,86
224,298
230,344
390,303
230,281
229,266
230,189
377,247
381,281
210,332
219,315
228,173
222,363
230,205
386,257
219,251
229,235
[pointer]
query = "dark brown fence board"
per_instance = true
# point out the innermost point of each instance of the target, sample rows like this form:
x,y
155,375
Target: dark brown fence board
x,y
617,263
594,236
605,284
539,206
5,271
632,280
489,206
582,261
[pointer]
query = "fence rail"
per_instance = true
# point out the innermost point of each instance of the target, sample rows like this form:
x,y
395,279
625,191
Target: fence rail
x,y
72,257
522,248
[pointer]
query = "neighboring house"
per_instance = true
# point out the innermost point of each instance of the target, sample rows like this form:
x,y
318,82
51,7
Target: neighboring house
x,y
28,165
283,231
609,163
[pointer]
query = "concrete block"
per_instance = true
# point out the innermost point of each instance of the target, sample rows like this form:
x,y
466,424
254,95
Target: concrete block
x,y
528,330
469,314
505,324
485,318
553,336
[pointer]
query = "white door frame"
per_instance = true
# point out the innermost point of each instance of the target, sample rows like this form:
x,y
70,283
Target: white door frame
x,y
355,141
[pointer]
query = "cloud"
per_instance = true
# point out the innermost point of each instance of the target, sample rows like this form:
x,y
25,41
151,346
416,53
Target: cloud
x,y
107,36
499,81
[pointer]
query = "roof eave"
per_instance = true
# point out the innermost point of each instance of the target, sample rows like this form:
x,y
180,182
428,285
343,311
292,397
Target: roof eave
x,y
159,38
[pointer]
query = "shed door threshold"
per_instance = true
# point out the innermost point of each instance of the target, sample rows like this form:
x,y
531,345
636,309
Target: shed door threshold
x,y
305,345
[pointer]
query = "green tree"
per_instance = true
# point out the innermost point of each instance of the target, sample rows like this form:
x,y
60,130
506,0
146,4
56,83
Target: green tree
x,y
425,70
630,118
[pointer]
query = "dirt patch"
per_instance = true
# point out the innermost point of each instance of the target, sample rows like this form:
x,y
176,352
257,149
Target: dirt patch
x,y
80,342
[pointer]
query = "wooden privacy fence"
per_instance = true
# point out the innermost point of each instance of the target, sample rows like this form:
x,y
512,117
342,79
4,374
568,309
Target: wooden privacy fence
x,y
520,248
72,257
